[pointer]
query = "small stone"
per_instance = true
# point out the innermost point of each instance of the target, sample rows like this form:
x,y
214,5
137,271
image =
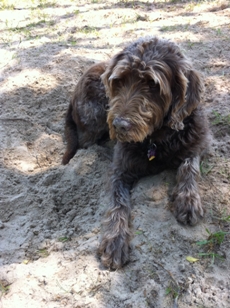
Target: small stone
x,y
96,230
181,268
43,245
1,225
88,236
190,280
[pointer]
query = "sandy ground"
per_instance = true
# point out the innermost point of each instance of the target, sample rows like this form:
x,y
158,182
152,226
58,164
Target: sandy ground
x,y
50,214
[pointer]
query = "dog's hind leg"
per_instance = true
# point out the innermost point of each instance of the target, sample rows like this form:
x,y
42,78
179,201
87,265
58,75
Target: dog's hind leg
x,y
71,136
185,197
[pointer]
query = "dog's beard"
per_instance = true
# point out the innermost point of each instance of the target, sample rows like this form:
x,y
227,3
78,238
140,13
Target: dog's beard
x,y
137,134
143,116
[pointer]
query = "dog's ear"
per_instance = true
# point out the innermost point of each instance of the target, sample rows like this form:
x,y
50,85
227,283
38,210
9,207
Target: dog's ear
x,y
186,93
114,70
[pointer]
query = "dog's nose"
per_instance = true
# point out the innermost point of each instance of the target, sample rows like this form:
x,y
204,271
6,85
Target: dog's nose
x,y
121,125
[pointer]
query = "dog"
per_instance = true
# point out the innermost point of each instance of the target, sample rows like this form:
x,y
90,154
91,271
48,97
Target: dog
x,y
156,117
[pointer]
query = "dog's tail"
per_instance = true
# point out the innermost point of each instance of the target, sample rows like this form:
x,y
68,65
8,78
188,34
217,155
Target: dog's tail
x,y
71,136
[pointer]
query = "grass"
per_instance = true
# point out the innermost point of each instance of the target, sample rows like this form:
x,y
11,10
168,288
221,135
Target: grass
x,y
211,255
4,5
179,27
167,28
139,232
63,239
220,119
76,12
38,23
218,32
43,253
172,290
205,167
216,238
223,217
88,29
190,44
4,287
28,27
46,4
39,14
32,30
211,244
128,20
191,6
73,43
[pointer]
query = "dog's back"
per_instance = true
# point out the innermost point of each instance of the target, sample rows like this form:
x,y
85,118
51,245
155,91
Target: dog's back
x,y
86,116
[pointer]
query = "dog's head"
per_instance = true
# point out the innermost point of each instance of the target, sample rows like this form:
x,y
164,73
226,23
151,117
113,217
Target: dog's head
x,y
149,83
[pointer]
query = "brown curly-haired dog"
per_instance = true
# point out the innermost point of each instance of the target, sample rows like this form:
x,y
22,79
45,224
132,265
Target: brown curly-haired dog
x,y
156,117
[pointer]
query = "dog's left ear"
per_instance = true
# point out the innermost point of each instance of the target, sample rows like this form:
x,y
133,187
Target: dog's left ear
x,y
186,94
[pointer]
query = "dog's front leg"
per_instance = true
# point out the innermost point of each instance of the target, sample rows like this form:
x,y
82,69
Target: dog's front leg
x,y
186,198
114,246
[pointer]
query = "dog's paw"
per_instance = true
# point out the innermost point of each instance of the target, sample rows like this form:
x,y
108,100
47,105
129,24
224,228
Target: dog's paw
x,y
114,252
188,208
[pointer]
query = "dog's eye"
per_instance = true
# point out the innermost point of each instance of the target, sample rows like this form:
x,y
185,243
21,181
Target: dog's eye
x,y
152,84
118,82
143,81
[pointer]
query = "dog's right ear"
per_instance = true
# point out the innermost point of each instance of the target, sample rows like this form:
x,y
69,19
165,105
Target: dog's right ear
x,y
186,95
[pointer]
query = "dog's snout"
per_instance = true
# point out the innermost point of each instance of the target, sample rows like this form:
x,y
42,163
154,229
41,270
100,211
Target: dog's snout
x,y
121,124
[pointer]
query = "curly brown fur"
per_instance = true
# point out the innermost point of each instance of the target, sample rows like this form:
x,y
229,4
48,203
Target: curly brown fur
x,y
154,105
86,116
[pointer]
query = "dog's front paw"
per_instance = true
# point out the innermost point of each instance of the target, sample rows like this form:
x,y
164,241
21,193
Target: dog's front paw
x,y
114,251
188,208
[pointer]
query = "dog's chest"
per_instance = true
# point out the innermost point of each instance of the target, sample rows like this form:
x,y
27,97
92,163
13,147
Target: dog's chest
x,y
161,145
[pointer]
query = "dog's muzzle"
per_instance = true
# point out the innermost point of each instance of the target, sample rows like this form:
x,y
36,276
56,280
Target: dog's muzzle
x,y
121,125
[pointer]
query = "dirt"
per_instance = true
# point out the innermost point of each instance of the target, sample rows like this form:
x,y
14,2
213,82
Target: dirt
x,y
50,214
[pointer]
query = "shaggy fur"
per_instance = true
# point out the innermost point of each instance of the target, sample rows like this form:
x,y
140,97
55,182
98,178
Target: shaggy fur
x,y
86,116
156,117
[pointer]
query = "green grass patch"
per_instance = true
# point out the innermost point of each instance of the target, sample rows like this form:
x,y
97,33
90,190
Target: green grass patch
x,y
220,119
43,253
211,245
139,232
64,239
174,291
4,287
216,238
205,167
46,4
